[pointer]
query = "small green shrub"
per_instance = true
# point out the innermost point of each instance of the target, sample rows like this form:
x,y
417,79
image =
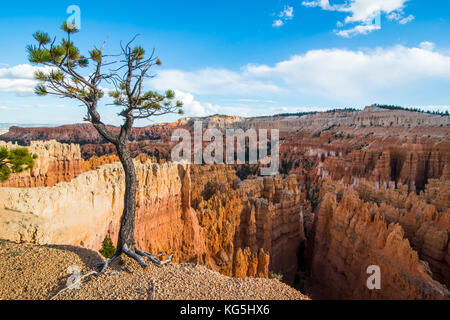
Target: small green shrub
x,y
108,250
276,276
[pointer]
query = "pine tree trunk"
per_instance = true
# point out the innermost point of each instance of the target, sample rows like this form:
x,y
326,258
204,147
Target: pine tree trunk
x,y
127,227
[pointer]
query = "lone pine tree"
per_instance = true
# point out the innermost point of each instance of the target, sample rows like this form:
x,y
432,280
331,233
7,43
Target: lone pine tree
x,y
72,75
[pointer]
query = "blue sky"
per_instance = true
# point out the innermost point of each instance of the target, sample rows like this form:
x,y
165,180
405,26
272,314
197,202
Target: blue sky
x,y
247,57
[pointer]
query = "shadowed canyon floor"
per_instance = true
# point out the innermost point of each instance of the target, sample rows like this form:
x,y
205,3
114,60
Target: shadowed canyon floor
x,y
356,188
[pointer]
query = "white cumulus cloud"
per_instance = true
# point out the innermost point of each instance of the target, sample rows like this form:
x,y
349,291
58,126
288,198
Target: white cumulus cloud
x,y
194,108
427,45
19,79
406,20
334,74
213,81
278,23
337,76
359,29
347,73
286,14
363,12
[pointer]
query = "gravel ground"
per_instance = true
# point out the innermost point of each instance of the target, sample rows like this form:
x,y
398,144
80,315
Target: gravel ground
x,y
39,272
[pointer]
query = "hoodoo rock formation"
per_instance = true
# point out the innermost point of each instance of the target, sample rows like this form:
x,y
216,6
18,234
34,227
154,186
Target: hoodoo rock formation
x,y
424,218
234,232
352,235
249,221
355,189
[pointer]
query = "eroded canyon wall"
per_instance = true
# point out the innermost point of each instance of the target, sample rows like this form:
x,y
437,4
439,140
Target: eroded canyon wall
x,y
409,164
356,188
249,221
352,234
86,209
425,219
56,163
83,211
202,214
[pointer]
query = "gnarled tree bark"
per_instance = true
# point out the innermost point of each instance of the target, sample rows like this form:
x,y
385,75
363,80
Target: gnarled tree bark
x,y
127,225
67,82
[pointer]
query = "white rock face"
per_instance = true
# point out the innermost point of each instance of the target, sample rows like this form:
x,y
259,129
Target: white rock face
x,y
83,211
370,116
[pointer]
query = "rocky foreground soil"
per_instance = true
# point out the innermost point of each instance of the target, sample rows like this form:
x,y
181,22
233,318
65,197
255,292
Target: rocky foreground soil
x,y
40,272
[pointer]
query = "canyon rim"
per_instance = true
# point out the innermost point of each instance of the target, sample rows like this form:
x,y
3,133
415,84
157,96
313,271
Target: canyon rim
x,y
225,159
353,191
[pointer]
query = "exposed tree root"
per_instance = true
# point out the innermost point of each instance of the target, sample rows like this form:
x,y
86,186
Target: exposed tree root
x,y
154,258
105,264
136,255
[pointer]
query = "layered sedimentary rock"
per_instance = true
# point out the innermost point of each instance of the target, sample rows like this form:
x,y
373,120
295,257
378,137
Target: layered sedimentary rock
x,y
387,125
425,218
246,219
217,204
385,201
95,162
82,212
409,164
352,235
204,214
369,117
81,134
158,149
56,163
273,219
153,140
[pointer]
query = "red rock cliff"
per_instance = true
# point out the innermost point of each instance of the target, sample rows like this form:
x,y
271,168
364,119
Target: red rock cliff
x,y
351,235
56,163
